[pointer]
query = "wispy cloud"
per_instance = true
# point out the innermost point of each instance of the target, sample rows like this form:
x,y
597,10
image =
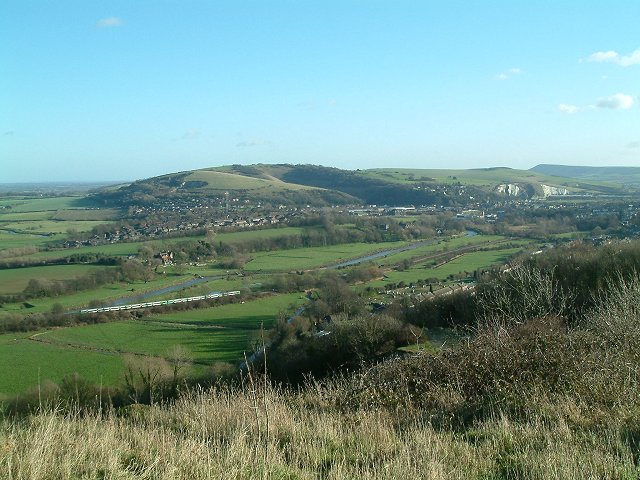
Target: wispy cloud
x,y
619,101
109,22
257,142
508,74
611,56
633,145
9,133
569,109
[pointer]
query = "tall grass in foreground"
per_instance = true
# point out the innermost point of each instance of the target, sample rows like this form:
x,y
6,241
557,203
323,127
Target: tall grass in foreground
x,y
524,399
215,435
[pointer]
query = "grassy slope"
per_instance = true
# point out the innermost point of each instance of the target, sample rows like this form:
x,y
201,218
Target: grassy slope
x,y
15,280
621,175
468,262
489,177
221,333
311,257
131,248
221,434
27,361
223,180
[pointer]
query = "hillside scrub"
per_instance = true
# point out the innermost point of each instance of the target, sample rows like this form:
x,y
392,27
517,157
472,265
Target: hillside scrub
x,y
523,367
531,394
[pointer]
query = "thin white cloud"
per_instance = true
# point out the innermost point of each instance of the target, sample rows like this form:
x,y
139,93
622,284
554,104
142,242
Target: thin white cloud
x,y
567,108
619,101
252,143
611,56
508,74
109,22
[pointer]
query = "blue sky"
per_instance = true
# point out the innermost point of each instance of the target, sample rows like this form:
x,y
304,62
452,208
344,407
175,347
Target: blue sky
x,y
104,90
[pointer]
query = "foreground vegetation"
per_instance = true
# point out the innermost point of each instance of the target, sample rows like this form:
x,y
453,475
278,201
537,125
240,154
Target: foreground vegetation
x,y
543,387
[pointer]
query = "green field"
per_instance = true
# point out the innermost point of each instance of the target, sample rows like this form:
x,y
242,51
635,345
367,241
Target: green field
x,y
221,333
8,240
483,177
441,245
106,294
237,237
468,262
40,204
221,180
21,240
27,362
247,315
15,280
310,257
51,226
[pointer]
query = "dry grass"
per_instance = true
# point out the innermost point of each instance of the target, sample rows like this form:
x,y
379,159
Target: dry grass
x,y
531,401
215,435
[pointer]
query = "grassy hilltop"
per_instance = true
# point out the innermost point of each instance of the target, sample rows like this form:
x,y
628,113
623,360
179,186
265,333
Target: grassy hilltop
x,y
318,186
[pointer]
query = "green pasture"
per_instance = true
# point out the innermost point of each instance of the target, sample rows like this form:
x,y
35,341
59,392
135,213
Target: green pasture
x,y
220,333
103,214
105,294
220,180
468,262
442,245
9,240
15,280
207,344
238,237
28,362
41,204
484,177
310,257
51,226
249,315
21,240
11,216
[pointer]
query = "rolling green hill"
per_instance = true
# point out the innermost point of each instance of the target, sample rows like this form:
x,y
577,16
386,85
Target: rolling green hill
x,y
320,186
620,175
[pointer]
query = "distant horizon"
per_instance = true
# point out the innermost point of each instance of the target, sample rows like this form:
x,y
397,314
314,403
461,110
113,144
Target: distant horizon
x,y
80,182
137,89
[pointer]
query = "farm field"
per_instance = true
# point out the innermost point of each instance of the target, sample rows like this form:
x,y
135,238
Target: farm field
x,y
236,237
27,362
220,333
15,280
131,248
466,263
310,257
441,245
106,294
9,240
248,315
39,204
484,177
46,226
